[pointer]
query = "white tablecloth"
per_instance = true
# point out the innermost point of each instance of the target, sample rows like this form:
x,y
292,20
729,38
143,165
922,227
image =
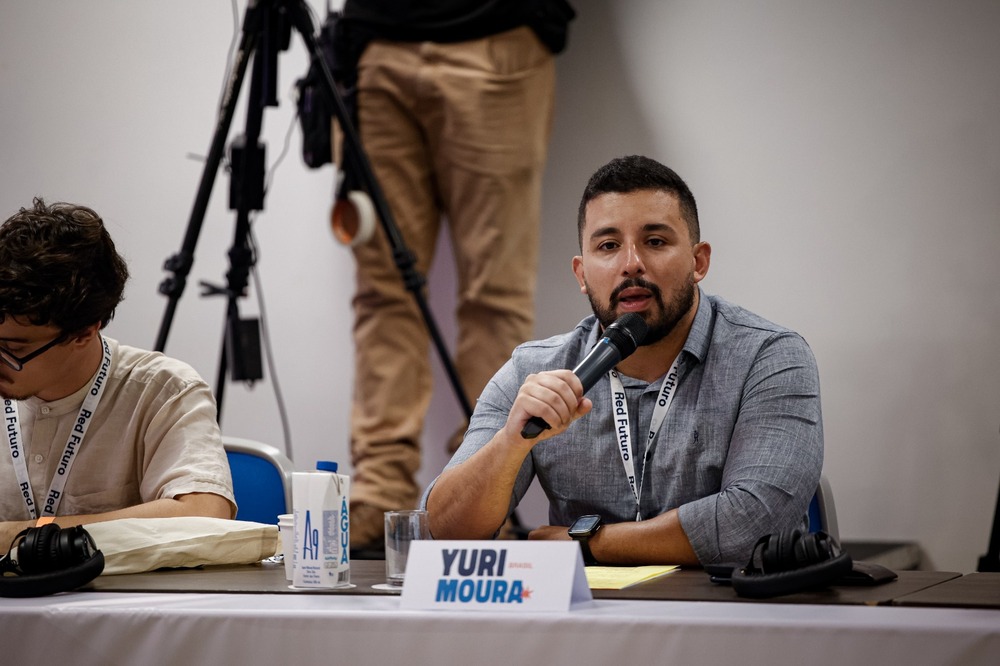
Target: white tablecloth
x,y
289,630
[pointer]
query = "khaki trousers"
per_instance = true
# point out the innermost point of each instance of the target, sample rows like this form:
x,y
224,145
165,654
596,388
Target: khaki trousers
x,y
455,133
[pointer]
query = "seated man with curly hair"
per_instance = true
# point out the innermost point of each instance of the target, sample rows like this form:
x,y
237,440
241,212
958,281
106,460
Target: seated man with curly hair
x,y
92,430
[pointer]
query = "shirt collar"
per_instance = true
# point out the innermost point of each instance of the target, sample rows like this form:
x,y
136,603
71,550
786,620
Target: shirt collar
x,y
699,336
61,406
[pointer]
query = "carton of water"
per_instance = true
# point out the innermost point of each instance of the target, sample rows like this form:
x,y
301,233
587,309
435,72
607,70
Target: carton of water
x,y
320,507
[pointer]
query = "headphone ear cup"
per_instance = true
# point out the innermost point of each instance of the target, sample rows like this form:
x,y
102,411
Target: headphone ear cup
x,y
70,547
788,553
778,552
770,553
36,553
809,550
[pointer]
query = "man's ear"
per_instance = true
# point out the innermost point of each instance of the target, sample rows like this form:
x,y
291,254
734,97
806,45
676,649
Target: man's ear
x,y
579,273
702,259
84,337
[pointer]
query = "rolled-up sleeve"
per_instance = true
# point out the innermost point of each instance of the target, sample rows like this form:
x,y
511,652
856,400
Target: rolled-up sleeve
x,y
775,456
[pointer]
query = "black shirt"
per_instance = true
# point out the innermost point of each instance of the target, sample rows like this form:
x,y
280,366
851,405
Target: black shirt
x,y
456,20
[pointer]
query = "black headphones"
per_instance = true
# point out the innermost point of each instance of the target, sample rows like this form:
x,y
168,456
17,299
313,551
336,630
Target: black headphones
x,y
47,560
791,562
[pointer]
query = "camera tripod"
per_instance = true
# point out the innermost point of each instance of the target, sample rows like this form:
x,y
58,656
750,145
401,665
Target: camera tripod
x,y
266,30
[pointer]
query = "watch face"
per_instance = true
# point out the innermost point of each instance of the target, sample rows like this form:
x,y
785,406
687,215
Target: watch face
x,y
584,525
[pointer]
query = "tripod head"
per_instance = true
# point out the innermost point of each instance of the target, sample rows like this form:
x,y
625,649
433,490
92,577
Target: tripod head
x,y
273,22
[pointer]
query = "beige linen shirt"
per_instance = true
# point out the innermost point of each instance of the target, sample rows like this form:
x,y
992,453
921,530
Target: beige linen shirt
x,y
154,435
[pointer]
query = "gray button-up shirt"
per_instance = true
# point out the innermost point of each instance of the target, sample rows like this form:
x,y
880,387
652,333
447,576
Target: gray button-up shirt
x,y
739,452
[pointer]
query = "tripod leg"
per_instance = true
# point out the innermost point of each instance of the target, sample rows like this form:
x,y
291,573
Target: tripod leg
x,y
220,378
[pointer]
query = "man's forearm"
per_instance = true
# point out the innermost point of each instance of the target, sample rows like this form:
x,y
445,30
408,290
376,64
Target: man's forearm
x,y
659,540
192,504
471,500
10,529
208,505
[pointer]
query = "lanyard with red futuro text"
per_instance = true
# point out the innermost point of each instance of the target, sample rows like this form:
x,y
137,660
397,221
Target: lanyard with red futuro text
x,y
623,428
13,430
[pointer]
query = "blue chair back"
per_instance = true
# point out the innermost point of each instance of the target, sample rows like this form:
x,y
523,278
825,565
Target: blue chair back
x,y
261,480
822,510
815,519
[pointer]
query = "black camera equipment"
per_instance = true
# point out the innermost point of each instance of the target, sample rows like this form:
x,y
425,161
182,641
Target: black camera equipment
x,y
266,30
991,560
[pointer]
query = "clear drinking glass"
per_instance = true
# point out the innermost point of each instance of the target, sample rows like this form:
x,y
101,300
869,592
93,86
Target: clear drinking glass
x,y
402,527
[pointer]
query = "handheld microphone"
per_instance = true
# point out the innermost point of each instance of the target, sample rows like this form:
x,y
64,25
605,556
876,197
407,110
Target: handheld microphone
x,y
619,341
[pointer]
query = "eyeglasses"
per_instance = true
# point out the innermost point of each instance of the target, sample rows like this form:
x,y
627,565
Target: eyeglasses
x,y
17,362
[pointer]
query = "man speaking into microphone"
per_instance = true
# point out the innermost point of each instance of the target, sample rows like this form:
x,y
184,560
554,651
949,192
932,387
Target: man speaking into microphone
x,y
686,450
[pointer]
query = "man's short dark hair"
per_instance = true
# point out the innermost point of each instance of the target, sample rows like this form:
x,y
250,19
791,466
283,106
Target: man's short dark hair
x,y
59,267
633,173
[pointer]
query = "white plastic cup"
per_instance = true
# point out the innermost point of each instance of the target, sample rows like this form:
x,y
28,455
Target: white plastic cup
x,y
286,528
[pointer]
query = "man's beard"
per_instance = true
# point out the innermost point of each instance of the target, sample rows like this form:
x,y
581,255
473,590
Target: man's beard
x,y
662,320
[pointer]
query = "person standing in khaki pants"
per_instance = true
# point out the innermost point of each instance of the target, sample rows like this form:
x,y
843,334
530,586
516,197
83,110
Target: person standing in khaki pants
x,y
455,103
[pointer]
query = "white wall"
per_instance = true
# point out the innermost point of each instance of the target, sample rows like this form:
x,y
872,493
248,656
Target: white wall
x,y
845,156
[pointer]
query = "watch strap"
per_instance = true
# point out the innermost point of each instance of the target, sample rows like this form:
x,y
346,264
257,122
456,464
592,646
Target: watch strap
x,y
588,557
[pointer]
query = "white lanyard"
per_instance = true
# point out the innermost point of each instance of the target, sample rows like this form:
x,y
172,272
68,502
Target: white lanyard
x,y
13,430
623,428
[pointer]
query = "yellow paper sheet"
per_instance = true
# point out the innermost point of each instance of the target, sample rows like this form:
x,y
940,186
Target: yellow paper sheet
x,y
617,578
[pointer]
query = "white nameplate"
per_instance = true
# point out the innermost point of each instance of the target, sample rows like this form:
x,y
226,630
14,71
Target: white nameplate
x,y
494,576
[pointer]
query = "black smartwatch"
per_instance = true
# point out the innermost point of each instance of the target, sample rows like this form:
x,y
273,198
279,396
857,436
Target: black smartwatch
x,y
581,530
